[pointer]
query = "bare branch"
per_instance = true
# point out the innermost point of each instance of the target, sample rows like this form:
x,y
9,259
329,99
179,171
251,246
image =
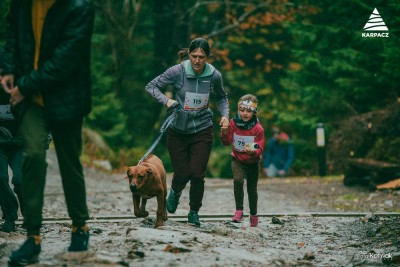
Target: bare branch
x,y
237,23
200,3
136,4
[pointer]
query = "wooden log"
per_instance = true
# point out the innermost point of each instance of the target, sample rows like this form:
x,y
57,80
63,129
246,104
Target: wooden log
x,y
369,172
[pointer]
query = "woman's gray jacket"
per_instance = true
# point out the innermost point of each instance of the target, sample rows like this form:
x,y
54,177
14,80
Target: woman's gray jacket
x,y
193,93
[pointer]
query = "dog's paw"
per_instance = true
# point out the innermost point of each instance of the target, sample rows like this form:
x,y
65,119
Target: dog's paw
x,y
158,223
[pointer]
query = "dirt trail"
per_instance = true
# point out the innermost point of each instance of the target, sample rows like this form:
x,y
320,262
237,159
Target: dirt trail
x,y
291,241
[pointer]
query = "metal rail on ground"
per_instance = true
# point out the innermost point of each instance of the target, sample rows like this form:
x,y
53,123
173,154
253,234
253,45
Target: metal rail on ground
x,y
221,217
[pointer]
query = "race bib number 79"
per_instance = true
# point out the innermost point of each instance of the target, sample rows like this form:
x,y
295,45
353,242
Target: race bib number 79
x,y
194,101
239,141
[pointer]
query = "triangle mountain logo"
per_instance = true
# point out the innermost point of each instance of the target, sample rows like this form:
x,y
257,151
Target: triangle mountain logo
x,y
375,22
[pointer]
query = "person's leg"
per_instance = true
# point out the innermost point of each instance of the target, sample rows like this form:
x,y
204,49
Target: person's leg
x,y
8,201
199,153
68,143
238,180
252,180
34,131
15,162
200,149
272,171
178,151
34,135
179,154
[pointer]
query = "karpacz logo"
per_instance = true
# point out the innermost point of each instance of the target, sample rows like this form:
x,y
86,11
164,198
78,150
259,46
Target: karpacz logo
x,y
375,23
375,34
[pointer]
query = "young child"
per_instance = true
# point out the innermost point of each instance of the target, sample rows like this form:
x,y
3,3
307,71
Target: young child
x,y
11,155
246,135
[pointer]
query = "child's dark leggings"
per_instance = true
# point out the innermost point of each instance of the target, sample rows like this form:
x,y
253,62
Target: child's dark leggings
x,y
243,171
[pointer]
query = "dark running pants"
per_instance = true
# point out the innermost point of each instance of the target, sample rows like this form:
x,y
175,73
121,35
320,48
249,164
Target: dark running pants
x,y
67,139
241,172
10,155
189,155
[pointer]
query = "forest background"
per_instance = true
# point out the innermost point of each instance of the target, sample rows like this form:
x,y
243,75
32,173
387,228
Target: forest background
x,y
306,61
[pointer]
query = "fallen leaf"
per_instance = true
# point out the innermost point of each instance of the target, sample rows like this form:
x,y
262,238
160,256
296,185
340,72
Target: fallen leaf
x,y
175,249
301,244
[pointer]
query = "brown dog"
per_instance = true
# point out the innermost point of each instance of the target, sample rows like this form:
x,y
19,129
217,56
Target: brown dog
x,y
147,180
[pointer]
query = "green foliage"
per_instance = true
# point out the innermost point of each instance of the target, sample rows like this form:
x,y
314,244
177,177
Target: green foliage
x,y
127,157
305,61
219,164
107,116
3,13
341,74
386,149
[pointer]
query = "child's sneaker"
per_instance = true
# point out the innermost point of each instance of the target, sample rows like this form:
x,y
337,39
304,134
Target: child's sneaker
x,y
79,239
238,216
253,220
28,253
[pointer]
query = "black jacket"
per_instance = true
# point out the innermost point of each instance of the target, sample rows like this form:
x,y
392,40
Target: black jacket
x,y
63,75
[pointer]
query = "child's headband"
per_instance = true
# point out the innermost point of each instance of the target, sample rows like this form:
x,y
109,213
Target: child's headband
x,y
248,104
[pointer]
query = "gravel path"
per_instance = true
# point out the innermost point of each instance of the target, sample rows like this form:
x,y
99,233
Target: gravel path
x,y
287,241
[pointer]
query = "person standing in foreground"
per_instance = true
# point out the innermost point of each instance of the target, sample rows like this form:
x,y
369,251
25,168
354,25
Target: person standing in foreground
x,y
10,155
190,135
246,135
47,74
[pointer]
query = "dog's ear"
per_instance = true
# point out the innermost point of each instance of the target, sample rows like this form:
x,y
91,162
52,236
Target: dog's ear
x,y
128,173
